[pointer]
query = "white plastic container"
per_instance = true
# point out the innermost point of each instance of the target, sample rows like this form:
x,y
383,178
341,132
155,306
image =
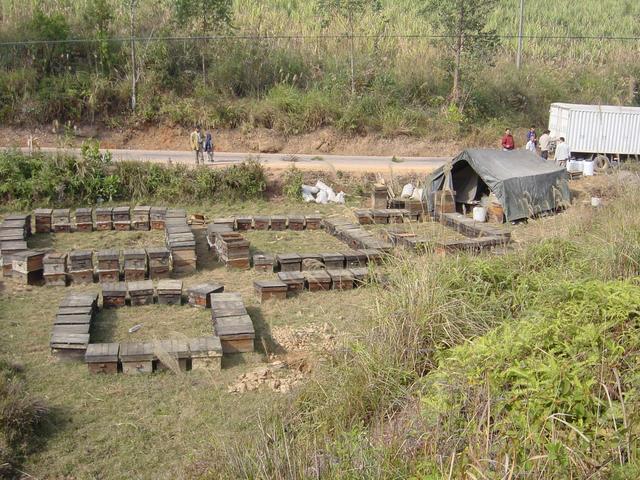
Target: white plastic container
x,y
480,214
596,201
588,168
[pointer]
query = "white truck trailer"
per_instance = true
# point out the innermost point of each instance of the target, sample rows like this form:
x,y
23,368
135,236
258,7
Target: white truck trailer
x,y
603,133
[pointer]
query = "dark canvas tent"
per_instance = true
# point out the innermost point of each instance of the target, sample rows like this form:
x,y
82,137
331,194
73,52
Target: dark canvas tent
x,y
523,183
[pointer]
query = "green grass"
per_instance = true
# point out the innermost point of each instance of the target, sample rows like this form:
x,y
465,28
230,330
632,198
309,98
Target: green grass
x,y
287,241
97,240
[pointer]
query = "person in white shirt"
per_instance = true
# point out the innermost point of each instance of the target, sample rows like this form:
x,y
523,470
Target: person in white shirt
x,y
545,139
563,153
531,145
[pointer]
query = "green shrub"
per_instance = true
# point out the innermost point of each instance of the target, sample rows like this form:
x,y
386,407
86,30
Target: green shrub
x,y
292,183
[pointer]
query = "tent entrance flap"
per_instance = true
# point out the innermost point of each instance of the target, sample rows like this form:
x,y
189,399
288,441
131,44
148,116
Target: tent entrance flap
x,y
467,184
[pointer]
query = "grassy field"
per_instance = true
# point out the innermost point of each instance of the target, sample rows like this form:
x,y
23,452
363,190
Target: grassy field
x,y
294,242
97,240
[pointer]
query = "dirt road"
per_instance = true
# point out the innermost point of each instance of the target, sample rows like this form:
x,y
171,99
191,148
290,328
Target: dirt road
x,y
347,163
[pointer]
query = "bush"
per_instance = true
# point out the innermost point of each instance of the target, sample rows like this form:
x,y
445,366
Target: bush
x,y
292,183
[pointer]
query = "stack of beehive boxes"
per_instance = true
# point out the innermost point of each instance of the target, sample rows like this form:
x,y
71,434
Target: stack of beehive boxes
x,y
233,249
61,220
14,230
81,266
122,218
141,217
180,241
108,265
43,219
135,264
55,269
104,218
28,266
84,220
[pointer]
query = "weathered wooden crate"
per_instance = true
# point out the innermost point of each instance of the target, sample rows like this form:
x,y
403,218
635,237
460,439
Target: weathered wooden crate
x,y
28,261
313,222
108,259
333,261
77,299
206,353
44,219
365,217
379,196
135,259
332,224
69,346
134,274
278,222
159,262
84,227
114,294
228,221
199,295
62,227
293,280
317,280
236,333
104,214
141,292
169,292
81,277
122,226
171,354
140,217
354,259
102,357
121,214
341,279
263,263
157,218
80,260
226,304
55,279
103,226
61,215
270,289
136,358
74,316
373,255
261,223
288,262
360,275
108,276
84,217
62,329
296,222
380,216
244,223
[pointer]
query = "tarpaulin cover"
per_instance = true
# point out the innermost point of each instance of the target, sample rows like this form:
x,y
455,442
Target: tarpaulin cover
x,y
524,183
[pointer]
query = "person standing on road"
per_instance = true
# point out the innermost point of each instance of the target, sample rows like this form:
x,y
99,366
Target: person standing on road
x,y
563,153
208,145
507,141
196,144
545,140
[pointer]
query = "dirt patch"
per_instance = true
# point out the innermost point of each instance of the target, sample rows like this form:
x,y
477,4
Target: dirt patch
x,y
279,376
166,137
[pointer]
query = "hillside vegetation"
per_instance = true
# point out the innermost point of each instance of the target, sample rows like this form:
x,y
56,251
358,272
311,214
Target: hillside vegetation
x,y
272,70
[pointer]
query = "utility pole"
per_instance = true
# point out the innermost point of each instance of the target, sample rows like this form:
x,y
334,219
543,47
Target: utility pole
x,y
520,34
134,68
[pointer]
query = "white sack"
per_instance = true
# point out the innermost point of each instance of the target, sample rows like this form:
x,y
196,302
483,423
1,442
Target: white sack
x,y
310,189
340,198
322,197
407,190
307,197
417,194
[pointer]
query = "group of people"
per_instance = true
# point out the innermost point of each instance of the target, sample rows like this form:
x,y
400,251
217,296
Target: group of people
x,y
202,144
541,146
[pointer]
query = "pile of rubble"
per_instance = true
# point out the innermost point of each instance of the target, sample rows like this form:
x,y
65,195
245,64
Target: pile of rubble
x,y
316,337
278,376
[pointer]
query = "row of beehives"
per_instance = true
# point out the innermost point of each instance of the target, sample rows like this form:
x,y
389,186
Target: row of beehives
x,y
386,215
272,222
292,283
124,218
167,292
354,235
298,262
14,231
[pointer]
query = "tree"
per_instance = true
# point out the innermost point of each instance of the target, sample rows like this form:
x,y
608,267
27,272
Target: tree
x,y
97,19
48,57
203,16
347,11
463,23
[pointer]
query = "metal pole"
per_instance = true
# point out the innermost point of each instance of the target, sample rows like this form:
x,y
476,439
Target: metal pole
x,y
520,34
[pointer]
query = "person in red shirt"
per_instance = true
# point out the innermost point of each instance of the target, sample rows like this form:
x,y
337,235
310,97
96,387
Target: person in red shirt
x,y
507,141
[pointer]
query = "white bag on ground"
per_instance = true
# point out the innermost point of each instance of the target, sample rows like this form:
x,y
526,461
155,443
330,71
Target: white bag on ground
x,y
340,198
407,190
322,197
331,195
322,186
307,197
417,194
310,189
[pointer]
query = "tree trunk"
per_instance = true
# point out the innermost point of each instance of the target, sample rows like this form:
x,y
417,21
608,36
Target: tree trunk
x,y
134,69
455,92
202,53
351,55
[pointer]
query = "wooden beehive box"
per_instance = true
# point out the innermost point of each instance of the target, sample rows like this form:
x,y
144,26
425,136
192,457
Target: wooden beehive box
x,y
108,259
226,304
236,333
380,216
278,222
135,264
263,263
114,294
396,216
81,277
244,223
61,219
141,292
136,358
373,255
365,217
171,354
288,262
341,279
444,201
228,221
157,218
293,280
360,275
159,262
108,276
28,261
43,219
104,218
71,346
206,353
169,292
261,223
379,196
332,224
354,259
270,289
296,222
84,219
317,280
80,260
121,214
333,261
102,357
140,218
313,222
199,295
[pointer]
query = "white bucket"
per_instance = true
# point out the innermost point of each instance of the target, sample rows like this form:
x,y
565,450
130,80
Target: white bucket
x,y
480,214
574,165
596,201
588,168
